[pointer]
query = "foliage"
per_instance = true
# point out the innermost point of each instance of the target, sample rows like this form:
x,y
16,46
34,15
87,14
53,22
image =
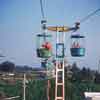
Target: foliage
x,y
11,90
82,80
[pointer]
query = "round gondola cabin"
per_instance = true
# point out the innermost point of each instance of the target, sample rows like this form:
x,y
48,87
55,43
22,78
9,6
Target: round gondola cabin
x,y
77,46
44,46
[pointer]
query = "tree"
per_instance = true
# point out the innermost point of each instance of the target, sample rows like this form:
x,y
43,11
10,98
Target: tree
x,y
97,78
7,66
86,74
76,72
75,68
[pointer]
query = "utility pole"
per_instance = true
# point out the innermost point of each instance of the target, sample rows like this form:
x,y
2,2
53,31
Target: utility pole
x,y
24,87
99,67
48,90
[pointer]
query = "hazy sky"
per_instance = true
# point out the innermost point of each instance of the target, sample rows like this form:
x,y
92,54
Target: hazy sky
x,y
20,20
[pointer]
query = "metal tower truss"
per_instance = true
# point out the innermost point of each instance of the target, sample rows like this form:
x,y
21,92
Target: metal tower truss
x,y
59,83
59,88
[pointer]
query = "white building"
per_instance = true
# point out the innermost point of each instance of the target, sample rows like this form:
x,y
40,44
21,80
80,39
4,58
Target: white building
x,y
92,95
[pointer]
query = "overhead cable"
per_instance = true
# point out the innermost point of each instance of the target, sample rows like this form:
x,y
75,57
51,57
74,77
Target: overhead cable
x,y
42,10
90,15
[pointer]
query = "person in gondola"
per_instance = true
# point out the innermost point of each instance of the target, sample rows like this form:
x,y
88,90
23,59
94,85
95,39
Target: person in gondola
x,y
75,45
47,46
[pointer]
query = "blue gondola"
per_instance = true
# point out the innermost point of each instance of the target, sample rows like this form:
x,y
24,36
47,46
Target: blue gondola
x,y
77,49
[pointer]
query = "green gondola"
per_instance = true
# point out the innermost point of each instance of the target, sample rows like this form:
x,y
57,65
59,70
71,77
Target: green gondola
x,y
44,46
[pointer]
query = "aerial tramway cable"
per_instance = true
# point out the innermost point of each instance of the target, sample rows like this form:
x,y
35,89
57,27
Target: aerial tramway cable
x,y
88,16
77,24
42,9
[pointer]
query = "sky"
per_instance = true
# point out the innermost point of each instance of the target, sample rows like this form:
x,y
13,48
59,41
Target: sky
x,y
20,21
